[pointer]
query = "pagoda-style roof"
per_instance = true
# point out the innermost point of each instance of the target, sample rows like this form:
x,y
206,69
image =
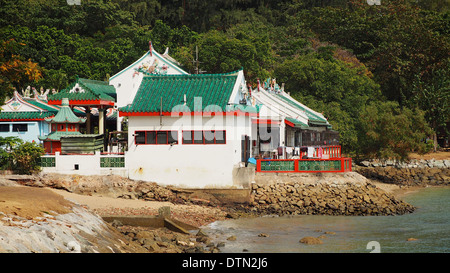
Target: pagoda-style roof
x,y
280,103
25,116
20,108
65,114
56,135
178,93
86,92
313,118
295,123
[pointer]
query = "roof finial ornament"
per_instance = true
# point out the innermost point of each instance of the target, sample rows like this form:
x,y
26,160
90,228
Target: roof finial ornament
x,y
150,46
65,102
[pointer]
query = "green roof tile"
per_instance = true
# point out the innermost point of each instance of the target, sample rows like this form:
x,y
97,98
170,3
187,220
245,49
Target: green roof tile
x,y
212,90
297,123
93,90
242,108
25,115
65,115
312,117
42,105
56,135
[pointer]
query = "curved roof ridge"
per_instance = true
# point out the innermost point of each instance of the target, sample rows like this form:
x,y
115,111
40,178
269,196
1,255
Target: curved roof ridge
x,y
92,81
175,66
232,73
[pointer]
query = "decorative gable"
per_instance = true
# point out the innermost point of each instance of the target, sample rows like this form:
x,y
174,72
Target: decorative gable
x,y
86,92
128,80
18,104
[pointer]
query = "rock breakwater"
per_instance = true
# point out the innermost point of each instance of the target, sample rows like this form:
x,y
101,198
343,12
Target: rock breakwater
x,y
329,196
273,193
412,173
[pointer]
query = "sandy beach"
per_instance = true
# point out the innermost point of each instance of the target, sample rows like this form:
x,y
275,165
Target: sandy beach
x,y
103,205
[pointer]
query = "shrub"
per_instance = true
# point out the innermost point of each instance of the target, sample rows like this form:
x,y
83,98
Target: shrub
x,y
389,131
20,156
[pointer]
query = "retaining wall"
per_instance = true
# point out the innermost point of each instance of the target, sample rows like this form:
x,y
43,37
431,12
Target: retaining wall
x,y
412,173
325,194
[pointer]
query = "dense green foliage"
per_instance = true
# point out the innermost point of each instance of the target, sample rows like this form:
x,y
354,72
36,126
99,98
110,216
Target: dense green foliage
x,y
22,157
386,64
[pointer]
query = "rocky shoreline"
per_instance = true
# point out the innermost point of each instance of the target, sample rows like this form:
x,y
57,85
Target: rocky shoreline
x,y
163,240
323,193
279,194
326,199
412,173
30,224
273,194
409,164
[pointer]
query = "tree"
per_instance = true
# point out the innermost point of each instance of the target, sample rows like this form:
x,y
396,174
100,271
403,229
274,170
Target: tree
x,y
221,52
409,48
20,156
26,157
434,96
385,130
145,11
353,25
52,78
15,71
332,82
328,80
7,144
162,36
396,40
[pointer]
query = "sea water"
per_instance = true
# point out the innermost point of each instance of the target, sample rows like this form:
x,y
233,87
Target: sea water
x,y
428,226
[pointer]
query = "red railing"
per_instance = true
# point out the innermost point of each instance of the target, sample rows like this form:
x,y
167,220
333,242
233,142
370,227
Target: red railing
x,y
331,151
304,165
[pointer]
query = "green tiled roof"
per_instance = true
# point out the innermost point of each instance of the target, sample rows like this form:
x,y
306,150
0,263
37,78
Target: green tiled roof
x,y
297,123
65,115
56,135
213,89
78,112
84,135
25,115
41,105
242,108
93,90
312,117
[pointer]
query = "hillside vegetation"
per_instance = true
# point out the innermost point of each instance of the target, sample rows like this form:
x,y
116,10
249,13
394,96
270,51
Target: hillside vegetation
x,y
379,73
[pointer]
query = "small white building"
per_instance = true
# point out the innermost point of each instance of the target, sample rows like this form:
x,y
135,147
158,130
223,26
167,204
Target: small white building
x,y
192,131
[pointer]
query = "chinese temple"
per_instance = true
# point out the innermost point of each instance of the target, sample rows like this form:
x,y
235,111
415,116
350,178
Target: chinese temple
x,y
64,123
